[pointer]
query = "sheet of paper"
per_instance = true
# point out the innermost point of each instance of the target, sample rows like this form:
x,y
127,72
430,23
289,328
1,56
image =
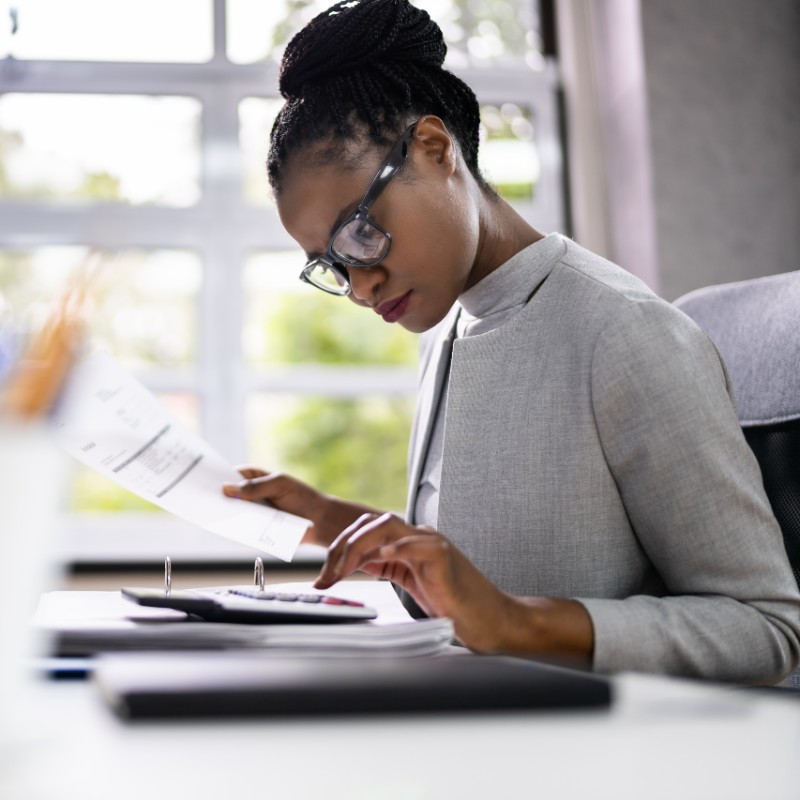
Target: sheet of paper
x,y
78,623
111,423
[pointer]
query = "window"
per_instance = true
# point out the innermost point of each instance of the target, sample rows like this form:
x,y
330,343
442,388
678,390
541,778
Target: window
x,y
147,142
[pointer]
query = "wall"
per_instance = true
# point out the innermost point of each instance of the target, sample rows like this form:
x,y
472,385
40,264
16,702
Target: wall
x,y
723,81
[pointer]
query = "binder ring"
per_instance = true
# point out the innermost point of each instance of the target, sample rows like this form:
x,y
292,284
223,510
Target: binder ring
x,y
167,576
258,573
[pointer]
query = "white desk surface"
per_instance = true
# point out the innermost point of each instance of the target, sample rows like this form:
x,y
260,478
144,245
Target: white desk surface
x,y
661,739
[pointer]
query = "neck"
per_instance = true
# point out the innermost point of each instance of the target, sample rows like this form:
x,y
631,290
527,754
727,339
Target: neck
x,y
503,233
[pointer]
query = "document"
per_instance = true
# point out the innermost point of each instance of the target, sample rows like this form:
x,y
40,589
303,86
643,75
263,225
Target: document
x,y
109,421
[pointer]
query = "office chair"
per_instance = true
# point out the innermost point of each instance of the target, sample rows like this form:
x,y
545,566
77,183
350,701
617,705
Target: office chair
x,y
755,325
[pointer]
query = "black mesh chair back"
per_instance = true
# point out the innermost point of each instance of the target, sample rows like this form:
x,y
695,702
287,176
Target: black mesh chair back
x,y
777,448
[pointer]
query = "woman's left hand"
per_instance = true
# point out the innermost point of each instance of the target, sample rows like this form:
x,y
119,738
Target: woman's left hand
x,y
442,580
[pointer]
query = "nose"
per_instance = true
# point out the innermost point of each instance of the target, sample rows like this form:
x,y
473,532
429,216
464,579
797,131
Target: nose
x,y
364,281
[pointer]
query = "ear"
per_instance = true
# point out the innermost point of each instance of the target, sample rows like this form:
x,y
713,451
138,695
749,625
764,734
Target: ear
x,y
435,146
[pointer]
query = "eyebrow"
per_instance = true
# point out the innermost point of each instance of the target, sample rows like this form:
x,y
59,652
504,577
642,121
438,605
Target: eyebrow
x,y
340,218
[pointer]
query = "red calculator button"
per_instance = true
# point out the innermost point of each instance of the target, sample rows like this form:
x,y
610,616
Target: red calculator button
x,y
337,601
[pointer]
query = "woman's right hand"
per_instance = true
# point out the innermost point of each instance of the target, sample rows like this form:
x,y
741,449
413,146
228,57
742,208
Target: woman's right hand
x,y
329,515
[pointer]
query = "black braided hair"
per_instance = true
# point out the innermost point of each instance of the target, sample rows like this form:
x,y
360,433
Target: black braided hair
x,y
368,68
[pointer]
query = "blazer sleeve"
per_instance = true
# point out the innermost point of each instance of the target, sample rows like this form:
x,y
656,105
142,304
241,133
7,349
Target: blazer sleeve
x,y
693,492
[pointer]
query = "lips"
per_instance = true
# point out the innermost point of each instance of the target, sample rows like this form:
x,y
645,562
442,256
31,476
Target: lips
x,y
392,310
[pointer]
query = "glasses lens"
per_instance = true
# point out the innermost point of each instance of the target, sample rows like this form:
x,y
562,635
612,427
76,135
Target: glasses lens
x,y
326,278
360,242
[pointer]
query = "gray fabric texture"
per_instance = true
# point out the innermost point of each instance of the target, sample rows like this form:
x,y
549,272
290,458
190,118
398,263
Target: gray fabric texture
x,y
755,325
592,450
482,308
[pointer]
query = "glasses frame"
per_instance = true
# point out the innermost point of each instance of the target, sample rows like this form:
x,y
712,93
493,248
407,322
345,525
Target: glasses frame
x,y
388,169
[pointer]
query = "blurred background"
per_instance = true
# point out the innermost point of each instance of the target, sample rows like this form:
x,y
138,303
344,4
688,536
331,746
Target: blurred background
x,y
660,133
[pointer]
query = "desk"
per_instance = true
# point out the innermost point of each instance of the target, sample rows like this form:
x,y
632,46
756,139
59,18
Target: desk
x,y
662,739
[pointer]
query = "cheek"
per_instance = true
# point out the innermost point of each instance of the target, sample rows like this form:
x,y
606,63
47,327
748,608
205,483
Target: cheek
x,y
442,232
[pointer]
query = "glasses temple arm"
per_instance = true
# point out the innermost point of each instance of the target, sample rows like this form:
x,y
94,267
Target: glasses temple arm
x,y
388,169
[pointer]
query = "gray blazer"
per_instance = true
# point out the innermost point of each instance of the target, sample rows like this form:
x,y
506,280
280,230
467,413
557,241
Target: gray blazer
x,y
592,451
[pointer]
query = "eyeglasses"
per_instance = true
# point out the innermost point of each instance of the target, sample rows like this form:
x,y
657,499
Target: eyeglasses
x,y
359,241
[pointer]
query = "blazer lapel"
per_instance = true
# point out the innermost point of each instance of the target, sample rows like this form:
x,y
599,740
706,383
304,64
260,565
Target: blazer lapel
x,y
431,388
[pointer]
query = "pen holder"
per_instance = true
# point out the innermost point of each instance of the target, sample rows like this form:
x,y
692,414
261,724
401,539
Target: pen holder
x,y
31,479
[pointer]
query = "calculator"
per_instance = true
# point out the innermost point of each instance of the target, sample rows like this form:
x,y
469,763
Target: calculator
x,y
253,605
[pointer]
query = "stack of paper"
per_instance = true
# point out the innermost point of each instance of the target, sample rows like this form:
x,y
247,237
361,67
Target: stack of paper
x,y
85,623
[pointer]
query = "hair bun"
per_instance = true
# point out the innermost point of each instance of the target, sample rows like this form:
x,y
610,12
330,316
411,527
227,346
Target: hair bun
x,y
356,35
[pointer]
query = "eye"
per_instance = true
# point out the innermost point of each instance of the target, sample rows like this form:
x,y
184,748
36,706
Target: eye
x,y
360,242
364,231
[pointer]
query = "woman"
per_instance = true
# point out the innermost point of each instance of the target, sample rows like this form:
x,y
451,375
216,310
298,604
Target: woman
x,y
580,487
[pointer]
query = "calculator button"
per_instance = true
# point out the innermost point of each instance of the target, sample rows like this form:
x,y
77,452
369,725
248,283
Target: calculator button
x,y
310,598
253,595
289,598
337,601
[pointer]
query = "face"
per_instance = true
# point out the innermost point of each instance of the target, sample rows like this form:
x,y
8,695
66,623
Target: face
x,y
429,209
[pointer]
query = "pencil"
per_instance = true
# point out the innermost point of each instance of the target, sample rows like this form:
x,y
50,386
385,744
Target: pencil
x,y
36,381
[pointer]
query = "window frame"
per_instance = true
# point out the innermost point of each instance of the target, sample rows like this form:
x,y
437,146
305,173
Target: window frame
x,y
223,228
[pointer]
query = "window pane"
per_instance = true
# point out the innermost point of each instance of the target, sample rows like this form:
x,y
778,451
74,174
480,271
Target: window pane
x,y
259,31
508,155
289,322
477,32
122,30
94,493
256,116
100,148
144,306
353,448
488,33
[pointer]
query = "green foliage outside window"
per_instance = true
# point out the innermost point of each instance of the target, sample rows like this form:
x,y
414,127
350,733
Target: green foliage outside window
x,y
310,327
352,447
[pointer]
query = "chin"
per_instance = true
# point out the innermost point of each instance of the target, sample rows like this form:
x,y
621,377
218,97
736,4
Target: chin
x,y
417,324
413,326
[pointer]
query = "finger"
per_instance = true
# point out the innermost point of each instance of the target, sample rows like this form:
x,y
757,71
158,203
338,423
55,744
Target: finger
x,y
341,539
417,550
248,473
420,564
350,552
328,574
267,487
423,565
251,472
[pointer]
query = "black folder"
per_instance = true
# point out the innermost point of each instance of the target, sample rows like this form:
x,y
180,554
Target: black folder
x,y
236,684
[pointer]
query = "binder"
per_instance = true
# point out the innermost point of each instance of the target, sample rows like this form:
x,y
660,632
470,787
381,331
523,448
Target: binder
x,y
246,685
86,623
